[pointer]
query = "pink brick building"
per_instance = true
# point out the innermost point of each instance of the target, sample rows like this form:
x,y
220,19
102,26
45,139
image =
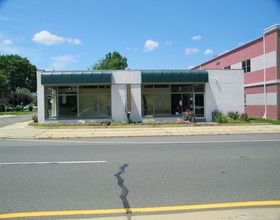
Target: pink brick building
x,y
260,60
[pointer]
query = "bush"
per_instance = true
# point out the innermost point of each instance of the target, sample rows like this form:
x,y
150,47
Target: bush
x,y
233,115
35,117
215,114
222,118
244,117
219,117
187,115
18,108
30,107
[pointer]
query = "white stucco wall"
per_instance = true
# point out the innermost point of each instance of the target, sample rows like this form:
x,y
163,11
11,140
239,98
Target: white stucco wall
x,y
136,103
40,99
118,94
120,80
224,92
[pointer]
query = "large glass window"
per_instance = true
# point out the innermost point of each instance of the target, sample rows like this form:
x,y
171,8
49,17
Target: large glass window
x,y
78,102
88,101
148,104
51,102
199,105
162,104
172,100
94,101
67,102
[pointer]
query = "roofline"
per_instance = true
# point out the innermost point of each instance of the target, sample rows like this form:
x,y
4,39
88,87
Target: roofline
x,y
270,29
106,71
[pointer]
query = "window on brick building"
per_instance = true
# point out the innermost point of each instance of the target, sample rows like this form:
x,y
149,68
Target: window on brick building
x,y
246,66
227,68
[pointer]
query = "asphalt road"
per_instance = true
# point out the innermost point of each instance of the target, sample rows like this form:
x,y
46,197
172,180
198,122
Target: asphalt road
x,y
137,172
11,119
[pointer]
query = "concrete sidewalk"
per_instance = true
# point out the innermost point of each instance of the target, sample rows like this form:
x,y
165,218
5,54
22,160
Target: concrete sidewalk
x,y
233,214
23,130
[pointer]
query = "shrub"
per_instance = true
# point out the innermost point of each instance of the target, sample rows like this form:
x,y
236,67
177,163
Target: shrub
x,y
106,123
35,117
233,115
30,107
215,114
219,117
187,115
18,108
244,117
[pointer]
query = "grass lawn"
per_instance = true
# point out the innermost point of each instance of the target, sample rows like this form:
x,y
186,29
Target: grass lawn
x,y
16,113
267,121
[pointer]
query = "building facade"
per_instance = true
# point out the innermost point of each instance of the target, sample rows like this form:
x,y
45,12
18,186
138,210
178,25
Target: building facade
x,y
137,94
260,60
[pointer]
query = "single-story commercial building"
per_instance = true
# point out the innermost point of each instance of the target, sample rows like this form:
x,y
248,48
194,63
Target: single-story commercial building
x,y
112,94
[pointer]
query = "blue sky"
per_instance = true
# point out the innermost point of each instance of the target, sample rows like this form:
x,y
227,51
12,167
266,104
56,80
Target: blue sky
x,y
151,34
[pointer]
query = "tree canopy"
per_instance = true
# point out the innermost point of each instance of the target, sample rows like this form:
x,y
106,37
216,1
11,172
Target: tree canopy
x,y
16,73
112,61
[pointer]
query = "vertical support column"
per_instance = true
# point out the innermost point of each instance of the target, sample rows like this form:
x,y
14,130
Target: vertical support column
x,y
40,98
136,103
126,95
118,94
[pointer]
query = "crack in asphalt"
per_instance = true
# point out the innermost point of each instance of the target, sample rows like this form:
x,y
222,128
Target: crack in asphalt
x,y
124,191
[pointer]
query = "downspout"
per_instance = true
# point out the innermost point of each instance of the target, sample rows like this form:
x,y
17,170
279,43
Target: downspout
x,y
264,79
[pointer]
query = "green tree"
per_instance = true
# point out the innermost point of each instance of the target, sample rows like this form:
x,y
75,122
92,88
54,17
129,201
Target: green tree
x,y
112,61
18,72
22,97
3,84
4,87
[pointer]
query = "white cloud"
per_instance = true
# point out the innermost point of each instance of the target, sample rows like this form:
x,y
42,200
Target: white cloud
x,y
6,46
7,42
196,37
131,49
151,45
74,41
60,62
45,37
208,52
189,51
168,43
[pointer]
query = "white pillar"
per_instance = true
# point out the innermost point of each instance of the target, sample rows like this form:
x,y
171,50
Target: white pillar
x,y
40,98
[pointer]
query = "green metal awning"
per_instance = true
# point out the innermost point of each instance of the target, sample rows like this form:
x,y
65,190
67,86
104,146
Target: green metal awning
x,y
76,77
174,76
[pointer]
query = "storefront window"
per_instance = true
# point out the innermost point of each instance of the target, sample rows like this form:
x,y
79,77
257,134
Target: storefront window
x,y
51,102
67,106
172,100
199,105
199,88
162,104
94,101
78,102
147,104
67,102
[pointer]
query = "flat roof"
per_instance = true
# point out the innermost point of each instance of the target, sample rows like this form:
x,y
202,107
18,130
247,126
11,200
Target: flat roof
x,y
174,76
76,77
105,76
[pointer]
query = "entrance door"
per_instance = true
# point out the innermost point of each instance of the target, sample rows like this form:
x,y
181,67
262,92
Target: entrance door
x,y
181,102
187,102
176,104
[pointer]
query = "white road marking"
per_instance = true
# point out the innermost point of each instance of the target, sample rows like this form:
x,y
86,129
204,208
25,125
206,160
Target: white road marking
x,y
53,162
141,143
